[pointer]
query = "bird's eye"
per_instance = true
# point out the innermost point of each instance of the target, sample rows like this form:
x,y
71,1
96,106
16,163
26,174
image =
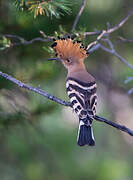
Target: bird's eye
x,y
68,60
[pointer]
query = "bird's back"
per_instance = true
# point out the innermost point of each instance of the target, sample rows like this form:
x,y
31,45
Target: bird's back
x,y
82,75
81,89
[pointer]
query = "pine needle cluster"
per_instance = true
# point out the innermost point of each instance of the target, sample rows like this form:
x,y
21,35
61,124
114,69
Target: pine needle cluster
x,y
45,7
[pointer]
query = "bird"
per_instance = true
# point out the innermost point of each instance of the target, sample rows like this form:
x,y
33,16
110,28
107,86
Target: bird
x,y
81,86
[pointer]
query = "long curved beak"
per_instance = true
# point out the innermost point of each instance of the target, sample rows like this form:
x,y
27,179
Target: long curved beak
x,y
54,59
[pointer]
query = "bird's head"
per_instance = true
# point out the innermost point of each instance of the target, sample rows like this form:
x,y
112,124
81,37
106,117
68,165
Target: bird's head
x,y
71,53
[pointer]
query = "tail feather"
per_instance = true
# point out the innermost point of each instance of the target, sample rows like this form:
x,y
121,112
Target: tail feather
x,y
85,135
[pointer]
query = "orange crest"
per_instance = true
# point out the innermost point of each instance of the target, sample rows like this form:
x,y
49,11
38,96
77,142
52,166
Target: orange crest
x,y
66,48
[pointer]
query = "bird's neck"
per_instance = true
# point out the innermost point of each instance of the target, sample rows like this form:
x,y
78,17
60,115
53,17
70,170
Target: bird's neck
x,y
76,68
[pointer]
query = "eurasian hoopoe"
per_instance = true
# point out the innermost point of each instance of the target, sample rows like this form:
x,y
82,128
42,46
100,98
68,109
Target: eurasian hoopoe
x,y
80,86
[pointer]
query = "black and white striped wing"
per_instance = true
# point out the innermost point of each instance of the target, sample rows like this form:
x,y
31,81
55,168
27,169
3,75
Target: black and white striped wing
x,y
83,97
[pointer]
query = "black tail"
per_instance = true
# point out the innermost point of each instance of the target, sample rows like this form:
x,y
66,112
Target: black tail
x,y
85,135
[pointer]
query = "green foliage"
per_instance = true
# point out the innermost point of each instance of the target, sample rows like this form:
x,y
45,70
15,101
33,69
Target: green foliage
x,y
4,43
45,7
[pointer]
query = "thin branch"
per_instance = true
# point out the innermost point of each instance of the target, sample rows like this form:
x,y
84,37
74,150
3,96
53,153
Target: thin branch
x,y
101,35
60,101
107,32
94,48
115,125
121,23
36,90
129,79
117,26
113,51
92,33
79,14
22,41
18,40
125,40
123,60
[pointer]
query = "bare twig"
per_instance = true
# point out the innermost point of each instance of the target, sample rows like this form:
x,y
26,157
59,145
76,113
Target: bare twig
x,y
18,40
92,33
60,101
115,125
101,35
79,14
120,24
36,90
127,81
94,47
22,41
125,40
113,51
117,26
123,60
105,33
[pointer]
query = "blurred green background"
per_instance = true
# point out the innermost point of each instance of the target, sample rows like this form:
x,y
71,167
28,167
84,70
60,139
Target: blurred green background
x,y
38,136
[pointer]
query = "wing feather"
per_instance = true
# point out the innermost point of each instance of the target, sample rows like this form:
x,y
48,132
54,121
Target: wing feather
x,y
83,97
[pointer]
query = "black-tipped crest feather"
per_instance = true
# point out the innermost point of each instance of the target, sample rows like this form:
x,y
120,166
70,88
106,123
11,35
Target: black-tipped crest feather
x,y
54,44
67,47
